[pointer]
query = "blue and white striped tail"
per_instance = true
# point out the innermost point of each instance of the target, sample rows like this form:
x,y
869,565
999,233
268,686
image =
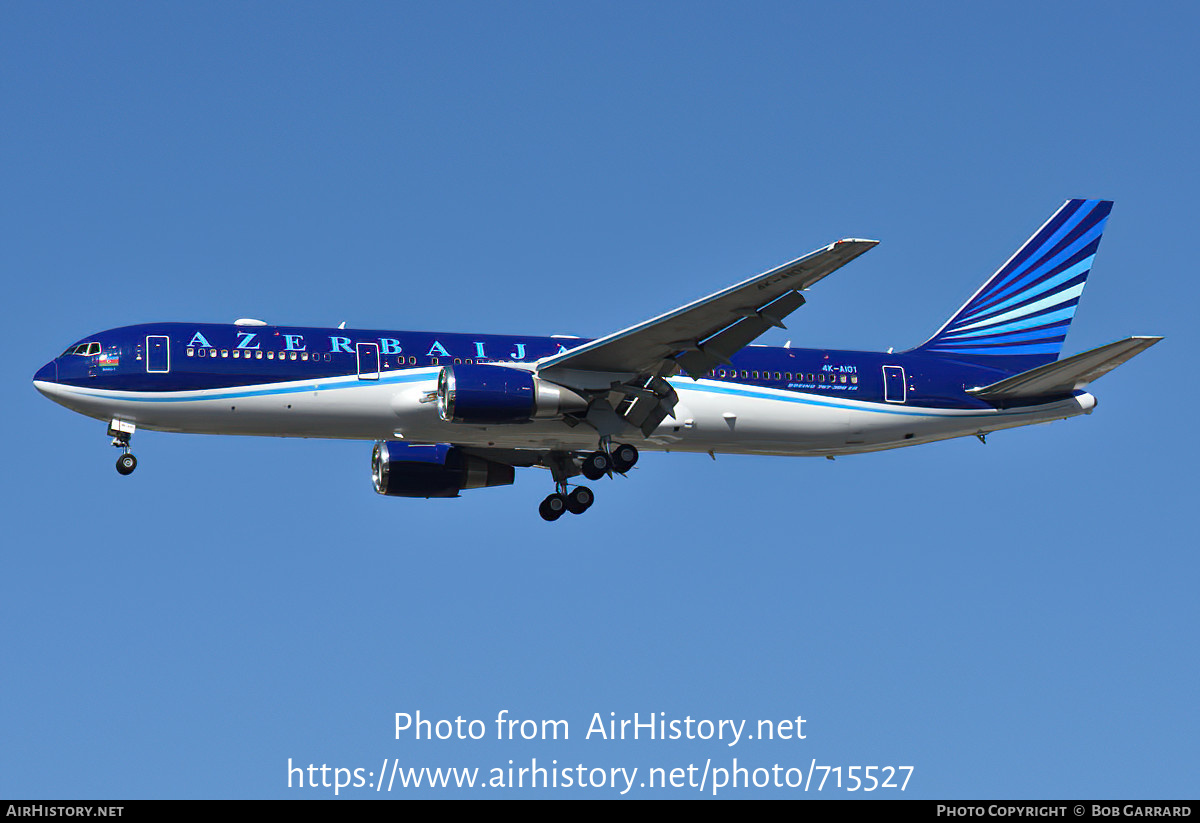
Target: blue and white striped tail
x,y
1019,318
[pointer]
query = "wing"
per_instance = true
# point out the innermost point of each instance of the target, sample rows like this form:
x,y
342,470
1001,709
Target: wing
x,y
709,331
630,365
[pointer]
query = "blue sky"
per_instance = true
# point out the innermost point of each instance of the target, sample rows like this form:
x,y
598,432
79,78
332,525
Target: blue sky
x,y
1012,620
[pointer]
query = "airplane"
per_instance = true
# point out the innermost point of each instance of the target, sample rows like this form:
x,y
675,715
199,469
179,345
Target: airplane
x,y
450,411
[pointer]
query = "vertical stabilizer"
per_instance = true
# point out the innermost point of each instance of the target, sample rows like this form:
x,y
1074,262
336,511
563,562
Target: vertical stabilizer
x,y
1020,317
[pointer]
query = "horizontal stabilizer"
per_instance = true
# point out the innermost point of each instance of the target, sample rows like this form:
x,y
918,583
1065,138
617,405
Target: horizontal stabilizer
x,y
1062,377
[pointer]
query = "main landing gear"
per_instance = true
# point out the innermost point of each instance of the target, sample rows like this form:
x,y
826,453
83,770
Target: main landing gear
x,y
594,466
121,432
599,463
557,504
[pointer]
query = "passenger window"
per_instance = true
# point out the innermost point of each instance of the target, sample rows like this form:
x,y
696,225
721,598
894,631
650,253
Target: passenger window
x,y
303,355
224,352
191,352
292,356
258,355
854,379
202,352
842,378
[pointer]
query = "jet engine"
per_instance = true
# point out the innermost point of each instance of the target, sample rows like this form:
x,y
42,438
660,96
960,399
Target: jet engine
x,y
436,470
484,395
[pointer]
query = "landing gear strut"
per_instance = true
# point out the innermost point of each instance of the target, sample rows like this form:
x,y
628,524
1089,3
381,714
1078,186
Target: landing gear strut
x,y
121,431
605,460
575,501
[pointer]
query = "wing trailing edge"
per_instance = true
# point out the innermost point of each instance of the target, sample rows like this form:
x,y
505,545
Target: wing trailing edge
x,y
1063,377
708,331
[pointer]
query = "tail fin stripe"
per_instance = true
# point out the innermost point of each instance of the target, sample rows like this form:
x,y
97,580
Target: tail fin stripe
x,y
1018,335
1081,248
1063,280
1054,324
1011,277
1053,301
1036,281
1020,316
985,346
1051,347
1062,223
1085,245
1045,243
1055,314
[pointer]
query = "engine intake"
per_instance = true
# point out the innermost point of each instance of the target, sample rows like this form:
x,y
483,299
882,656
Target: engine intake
x,y
436,470
484,394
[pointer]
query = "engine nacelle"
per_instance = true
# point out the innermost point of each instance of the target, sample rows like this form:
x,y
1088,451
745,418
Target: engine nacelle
x,y
437,470
485,395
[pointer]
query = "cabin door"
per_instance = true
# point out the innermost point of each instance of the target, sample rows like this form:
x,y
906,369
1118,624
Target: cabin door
x,y
158,354
893,384
368,361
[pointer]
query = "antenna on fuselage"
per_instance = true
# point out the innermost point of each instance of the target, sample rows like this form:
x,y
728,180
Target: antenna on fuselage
x,y
342,325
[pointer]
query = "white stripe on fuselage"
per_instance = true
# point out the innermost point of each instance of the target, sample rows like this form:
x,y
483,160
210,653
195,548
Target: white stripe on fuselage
x,y
711,415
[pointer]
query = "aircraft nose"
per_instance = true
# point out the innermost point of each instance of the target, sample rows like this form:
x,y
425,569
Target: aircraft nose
x,y
48,373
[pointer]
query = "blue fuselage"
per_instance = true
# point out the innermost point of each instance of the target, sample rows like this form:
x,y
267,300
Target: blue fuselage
x,y
187,357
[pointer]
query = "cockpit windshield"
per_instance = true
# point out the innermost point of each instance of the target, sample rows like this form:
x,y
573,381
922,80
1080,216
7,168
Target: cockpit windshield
x,y
85,349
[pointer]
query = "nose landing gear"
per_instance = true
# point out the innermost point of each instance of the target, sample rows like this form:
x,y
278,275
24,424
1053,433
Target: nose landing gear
x,y
121,431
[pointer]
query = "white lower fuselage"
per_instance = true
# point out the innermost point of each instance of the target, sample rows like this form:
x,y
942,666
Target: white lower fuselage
x,y
712,415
